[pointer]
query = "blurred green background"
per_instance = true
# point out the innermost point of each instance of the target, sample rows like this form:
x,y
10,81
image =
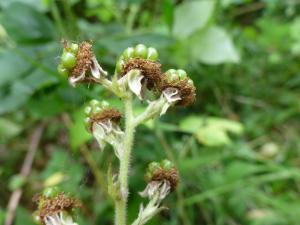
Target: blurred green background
x,y
237,148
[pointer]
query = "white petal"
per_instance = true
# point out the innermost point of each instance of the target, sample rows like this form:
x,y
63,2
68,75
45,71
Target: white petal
x,y
74,79
96,69
172,95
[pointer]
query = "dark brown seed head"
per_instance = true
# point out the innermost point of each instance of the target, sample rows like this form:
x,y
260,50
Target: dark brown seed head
x,y
170,175
51,206
106,114
83,59
186,90
150,69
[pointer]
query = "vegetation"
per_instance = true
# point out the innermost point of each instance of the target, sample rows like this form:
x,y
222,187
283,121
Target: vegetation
x,y
236,148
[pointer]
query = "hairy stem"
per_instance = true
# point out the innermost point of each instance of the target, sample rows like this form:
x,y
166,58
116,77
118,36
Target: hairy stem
x,y
121,203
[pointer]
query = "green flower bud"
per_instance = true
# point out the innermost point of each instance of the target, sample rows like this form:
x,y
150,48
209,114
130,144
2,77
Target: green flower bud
x,y
36,217
51,192
119,65
62,70
153,166
152,54
141,51
128,53
167,164
74,48
181,74
104,104
68,60
190,82
94,103
172,76
87,110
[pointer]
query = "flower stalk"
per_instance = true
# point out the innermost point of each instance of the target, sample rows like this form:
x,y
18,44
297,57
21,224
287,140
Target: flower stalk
x,y
137,74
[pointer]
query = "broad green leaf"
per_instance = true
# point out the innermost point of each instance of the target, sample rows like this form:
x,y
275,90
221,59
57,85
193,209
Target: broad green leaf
x,y
8,129
26,25
211,131
213,46
191,16
39,5
77,131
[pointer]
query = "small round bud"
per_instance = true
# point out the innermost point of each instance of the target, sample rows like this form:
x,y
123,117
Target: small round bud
x,y
141,51
167,164
87,110
62,70
97,109
94,103
68,60
190,82
172,76
74,48
153,166
36,217
119,65
128,53
50,192
152,54
104,104
181,74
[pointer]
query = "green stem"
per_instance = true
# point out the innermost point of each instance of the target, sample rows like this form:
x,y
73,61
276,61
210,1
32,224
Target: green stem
x,y
121,202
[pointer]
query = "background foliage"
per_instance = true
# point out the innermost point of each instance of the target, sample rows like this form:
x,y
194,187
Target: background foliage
x,y
237,148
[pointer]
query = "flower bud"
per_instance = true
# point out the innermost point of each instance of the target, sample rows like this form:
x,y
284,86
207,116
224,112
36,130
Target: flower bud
x,y
152,54
141,51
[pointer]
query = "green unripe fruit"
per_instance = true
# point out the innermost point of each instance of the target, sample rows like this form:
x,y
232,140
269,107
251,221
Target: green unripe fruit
x,y
172,76
97,109
36,217
74,48
68,60
51,192
141,51
87,121
153,166
170,71
62,70
167,164
190,82
104,104
119,65
152,54
181,74
87,110
128,53
94,103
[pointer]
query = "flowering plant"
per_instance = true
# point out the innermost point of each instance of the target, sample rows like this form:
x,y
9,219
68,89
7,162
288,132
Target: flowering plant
x,y
138,73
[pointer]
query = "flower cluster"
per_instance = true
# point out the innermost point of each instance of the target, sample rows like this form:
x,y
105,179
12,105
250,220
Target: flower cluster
x,y
79,63
55,208
162,178
103,122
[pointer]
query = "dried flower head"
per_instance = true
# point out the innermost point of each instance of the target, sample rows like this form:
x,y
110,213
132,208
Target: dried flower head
x,y
162,179
78,62
55,208
142,59
177,87
103,122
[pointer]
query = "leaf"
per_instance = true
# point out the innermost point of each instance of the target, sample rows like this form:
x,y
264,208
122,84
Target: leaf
x,y
39,5
16,182
8,129
214,46
192,16
26,25
77,131
211,131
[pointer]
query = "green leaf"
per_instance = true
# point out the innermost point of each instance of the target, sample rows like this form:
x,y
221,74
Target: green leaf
x,y
26,25
8,129
77,131
192,16
214,46
211,131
